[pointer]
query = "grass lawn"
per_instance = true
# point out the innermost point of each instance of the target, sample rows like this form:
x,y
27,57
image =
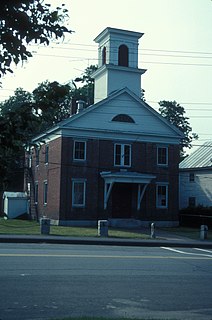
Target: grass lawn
x,y
26,227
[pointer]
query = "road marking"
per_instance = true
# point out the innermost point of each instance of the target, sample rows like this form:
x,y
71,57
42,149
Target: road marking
x,y
199,256
203,250
187,253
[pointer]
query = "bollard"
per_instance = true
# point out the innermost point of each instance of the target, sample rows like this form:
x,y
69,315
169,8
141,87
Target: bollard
x,y
102,228
203,232
44,226
152,230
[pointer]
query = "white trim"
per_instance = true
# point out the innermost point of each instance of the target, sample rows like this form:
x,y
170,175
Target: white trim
x,y
125,177
74,181
162,184
85,149
122,155
46,154
45,192
36,186
167,155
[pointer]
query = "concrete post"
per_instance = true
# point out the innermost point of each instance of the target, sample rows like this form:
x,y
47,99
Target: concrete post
x,y
203,232
102,228
45,226
153,230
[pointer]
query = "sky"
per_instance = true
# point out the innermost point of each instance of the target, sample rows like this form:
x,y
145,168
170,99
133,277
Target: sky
x,y
176,50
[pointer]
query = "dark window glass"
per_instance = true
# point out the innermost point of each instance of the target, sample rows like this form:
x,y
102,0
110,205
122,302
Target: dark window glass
x,y
79,150
123,59
162,156
191,177
104,55
46,153
123,118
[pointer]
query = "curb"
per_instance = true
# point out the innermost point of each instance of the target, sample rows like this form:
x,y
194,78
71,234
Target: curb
x,y
106,241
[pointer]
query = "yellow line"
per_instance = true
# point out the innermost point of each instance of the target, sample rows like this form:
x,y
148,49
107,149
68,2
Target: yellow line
x,y
97,256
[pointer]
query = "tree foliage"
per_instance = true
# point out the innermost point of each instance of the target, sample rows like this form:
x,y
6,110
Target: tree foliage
x,y
52,102
22,22
175,114
25,115
86,92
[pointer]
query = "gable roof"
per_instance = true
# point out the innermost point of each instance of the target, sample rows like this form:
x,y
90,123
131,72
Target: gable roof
x,y
200,158
96,120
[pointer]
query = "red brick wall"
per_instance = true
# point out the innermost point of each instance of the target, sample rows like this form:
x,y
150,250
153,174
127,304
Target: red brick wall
x,y
100,157
51,173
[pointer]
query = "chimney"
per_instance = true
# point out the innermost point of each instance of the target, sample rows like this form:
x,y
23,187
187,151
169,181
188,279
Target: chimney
x,y
80,105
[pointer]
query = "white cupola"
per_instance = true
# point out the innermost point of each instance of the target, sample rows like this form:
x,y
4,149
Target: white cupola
x,y
117,63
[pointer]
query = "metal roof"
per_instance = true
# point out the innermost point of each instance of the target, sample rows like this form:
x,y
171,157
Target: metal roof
x,y
200,158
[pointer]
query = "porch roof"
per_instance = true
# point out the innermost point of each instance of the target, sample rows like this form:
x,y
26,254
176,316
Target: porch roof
x,y
127,177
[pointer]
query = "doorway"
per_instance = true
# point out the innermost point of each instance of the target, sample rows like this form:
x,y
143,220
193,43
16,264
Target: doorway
x,y
122,201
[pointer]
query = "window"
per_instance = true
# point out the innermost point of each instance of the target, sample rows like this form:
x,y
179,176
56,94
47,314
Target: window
x,y
37,151
79,150
191,177
104,56
123,59
122,155
162,196
191,201
45,192
46,153
36,193
123,118
78,193
30,161
162,156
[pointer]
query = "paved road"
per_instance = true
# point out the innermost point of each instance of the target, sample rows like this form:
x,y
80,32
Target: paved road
x,y
45,281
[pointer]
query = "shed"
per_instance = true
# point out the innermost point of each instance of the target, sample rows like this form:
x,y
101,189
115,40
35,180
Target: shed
x,y
15,204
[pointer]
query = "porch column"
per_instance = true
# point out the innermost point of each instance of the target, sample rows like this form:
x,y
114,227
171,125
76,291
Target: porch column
x,y
107,192
141,192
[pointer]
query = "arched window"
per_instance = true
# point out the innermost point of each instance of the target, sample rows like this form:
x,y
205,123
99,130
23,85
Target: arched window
x,y
123,56
123,118
104,55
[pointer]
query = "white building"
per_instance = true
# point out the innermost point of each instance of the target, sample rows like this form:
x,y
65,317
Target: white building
x,y
196,178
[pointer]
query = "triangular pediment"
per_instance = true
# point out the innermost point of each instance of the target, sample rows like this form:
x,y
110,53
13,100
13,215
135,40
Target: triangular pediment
x,y
102,118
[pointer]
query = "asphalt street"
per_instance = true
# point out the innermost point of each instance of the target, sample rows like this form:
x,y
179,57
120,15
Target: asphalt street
x,y
48,281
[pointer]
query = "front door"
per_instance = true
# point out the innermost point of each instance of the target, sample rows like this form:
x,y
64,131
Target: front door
x,y
122,201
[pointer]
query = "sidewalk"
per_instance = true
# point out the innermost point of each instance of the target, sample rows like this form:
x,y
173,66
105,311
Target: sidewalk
x,y
162,239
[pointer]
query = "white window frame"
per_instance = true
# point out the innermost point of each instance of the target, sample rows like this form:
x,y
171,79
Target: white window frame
x,y
167,156
46,153
36,192
122,160
74,182
191,177
37,156
159,205
45,192
85,147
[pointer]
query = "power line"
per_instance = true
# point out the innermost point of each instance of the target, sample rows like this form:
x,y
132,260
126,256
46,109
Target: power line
x,y
143,62
139,49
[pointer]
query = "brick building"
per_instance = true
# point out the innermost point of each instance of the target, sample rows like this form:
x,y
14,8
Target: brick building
x,y
116,159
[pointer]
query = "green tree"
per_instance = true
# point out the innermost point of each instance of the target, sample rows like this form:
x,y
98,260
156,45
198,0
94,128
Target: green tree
x,y
26,114
85,92
18,123
25,21
175,114
52,101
